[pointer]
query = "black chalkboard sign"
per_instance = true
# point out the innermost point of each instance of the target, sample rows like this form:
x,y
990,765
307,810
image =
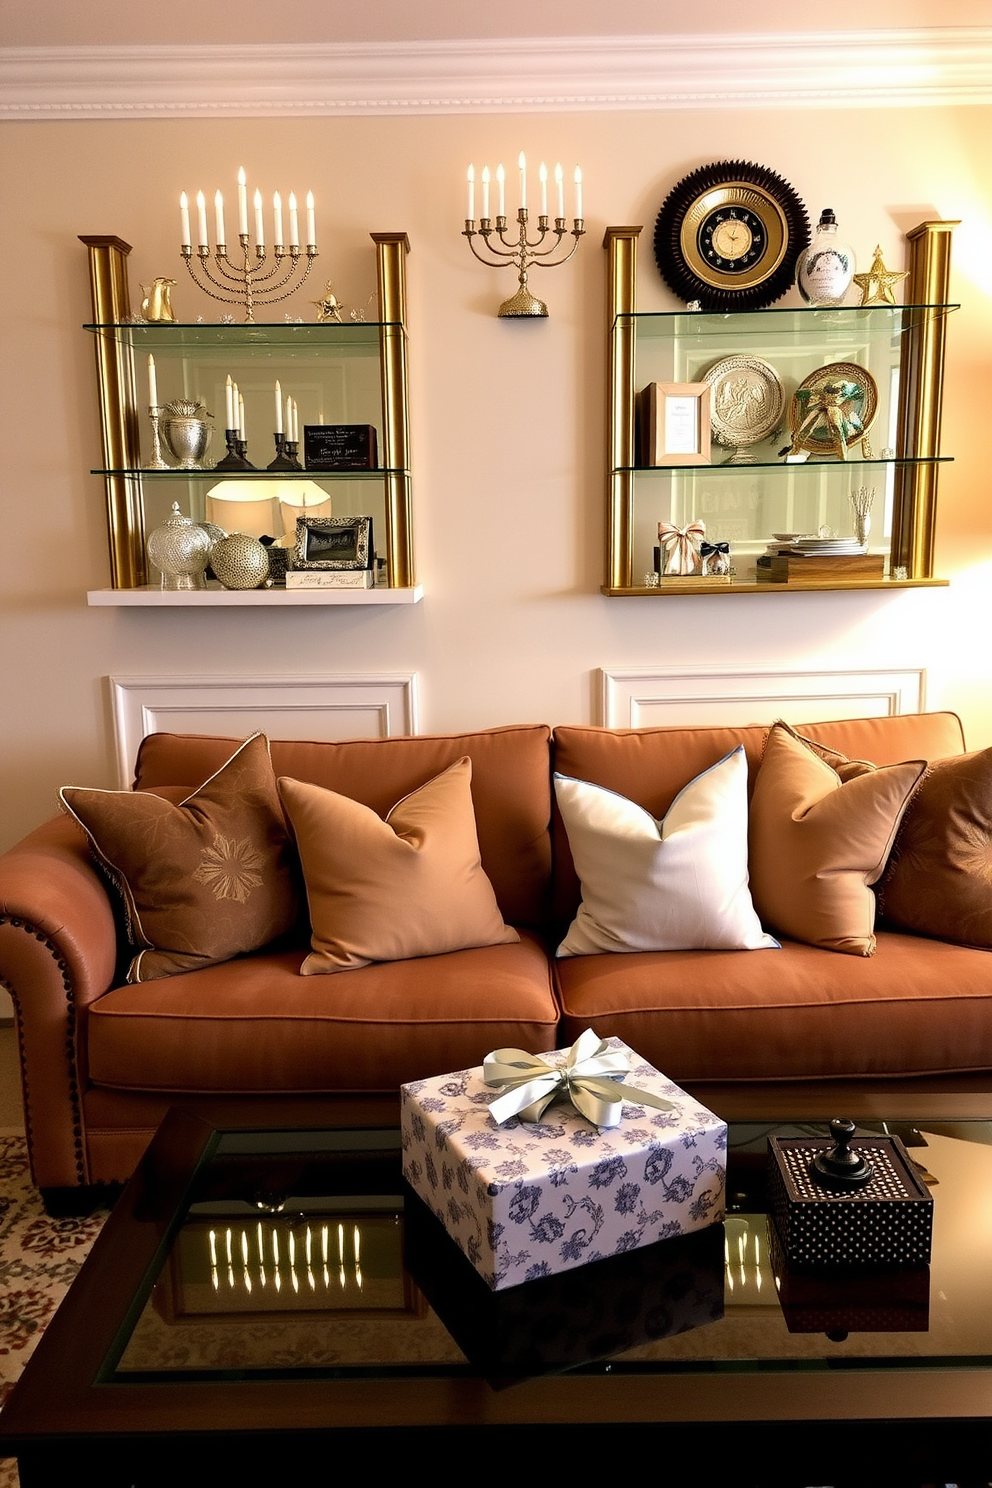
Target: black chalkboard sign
x,y
340,447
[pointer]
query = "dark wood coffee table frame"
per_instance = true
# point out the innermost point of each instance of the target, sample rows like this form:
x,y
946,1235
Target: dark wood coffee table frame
x,y
67,1420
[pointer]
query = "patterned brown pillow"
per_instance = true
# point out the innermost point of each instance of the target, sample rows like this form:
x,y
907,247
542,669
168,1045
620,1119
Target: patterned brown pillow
x,y
202,881
938,880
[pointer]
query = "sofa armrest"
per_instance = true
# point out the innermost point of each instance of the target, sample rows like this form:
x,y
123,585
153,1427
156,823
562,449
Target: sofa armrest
x,y
58,953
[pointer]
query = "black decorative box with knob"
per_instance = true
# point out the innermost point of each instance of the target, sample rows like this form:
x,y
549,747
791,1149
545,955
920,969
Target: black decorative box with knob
x,y
848,1202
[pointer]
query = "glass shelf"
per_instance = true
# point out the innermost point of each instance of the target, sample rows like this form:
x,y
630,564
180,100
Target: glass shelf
x,y
173,473
820,466
286,336
778,327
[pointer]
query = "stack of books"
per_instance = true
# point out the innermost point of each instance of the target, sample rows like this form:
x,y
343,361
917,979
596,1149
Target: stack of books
x,y
794,557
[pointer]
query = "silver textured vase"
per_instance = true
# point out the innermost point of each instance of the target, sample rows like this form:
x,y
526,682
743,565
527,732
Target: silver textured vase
x,y
186,433
179,549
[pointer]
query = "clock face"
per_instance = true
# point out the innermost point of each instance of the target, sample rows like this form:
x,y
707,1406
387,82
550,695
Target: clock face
x,y
729,236
731,239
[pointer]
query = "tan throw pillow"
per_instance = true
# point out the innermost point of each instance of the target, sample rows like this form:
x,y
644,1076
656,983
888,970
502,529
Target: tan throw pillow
x,y
817,843
202,881
412,885
939,878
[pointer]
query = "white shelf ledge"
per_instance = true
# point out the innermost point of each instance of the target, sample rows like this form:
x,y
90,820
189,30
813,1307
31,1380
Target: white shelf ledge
x,y
151,594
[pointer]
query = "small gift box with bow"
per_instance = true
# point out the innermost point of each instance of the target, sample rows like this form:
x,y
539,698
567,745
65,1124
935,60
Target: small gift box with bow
x,y
536,1164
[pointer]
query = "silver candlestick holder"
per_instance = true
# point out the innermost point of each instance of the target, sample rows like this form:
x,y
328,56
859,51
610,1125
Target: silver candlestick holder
x,y
156,462
255,281
523,255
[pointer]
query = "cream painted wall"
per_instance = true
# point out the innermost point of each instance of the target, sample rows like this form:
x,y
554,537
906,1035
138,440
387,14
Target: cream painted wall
x,y
508,419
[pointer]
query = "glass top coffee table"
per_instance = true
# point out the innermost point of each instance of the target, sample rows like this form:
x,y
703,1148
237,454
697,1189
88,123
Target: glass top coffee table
x,y
257,1292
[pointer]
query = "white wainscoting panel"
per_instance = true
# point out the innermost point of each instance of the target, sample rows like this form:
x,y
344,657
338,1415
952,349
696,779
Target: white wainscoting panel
x,y
655,697
321,708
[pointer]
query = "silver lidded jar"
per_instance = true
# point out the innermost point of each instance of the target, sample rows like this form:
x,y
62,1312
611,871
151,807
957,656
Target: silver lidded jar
x,y
179,549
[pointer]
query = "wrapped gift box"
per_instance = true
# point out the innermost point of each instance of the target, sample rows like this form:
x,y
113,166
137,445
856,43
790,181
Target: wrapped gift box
x,y
530,1199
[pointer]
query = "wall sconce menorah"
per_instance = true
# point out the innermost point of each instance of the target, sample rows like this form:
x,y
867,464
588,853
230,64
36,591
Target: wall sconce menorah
x,y
523,253
249,282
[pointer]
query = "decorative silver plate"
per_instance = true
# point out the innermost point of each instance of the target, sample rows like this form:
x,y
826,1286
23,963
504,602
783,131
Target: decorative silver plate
x,y
747,402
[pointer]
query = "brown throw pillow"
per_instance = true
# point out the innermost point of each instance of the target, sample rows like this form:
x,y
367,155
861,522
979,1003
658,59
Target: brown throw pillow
x,y
204,880
817,843
939,878
412,885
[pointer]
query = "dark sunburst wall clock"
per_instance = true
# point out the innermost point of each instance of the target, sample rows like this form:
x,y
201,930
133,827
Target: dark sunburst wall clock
x,y
729,234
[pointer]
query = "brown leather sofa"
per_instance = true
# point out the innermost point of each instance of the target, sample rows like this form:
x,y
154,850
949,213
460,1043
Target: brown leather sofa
x,y
251,1042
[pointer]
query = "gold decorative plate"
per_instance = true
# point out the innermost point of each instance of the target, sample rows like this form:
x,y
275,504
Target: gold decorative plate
x,y
833,408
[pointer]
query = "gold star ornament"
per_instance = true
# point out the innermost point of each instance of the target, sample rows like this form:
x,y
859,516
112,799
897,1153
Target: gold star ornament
x,y
876,286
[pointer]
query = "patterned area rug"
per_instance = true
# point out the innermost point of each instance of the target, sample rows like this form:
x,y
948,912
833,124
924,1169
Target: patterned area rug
x,y
39,1257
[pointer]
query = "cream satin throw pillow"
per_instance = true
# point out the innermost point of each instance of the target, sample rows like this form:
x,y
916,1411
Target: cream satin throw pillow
x,y
412,885
671,885
818,843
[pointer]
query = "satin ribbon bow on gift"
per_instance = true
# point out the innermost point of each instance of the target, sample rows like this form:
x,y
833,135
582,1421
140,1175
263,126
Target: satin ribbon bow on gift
x,y
587,1077
680,546
705,549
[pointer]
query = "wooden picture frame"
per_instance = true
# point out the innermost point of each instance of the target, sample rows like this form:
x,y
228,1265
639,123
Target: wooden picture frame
x,y
675,423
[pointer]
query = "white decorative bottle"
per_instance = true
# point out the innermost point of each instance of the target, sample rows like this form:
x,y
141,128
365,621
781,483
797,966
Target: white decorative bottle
x,y
825,269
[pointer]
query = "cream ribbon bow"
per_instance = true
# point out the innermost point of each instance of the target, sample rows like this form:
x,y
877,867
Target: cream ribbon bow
x,y
680,546
587,1077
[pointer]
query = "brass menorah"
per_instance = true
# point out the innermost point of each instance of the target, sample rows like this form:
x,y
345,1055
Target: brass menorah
x,y
523,253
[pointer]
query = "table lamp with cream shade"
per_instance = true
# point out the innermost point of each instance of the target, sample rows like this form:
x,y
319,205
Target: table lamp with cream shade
x,y
265,508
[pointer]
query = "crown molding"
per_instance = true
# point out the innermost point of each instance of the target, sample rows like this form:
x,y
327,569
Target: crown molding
x,y
864,69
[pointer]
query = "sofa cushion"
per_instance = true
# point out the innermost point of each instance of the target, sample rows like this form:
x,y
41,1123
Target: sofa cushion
x,y
511,790
651,765
938,880
918,1007
655,886
385,890
817,843
256,1026
202,880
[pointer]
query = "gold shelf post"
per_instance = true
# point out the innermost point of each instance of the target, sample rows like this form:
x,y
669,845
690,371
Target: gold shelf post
x,y
118,411
921,377
621,246
391,251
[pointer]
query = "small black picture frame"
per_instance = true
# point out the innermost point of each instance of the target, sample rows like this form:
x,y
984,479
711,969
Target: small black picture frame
x,y
334,543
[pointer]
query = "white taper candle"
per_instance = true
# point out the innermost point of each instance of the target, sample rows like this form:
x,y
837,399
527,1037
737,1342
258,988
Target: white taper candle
x,y
152,382
278,407
277,215
485,191
294,222
219,215
560,188
184,218
311,223
470,214
259,224
242,203
578,192
229,403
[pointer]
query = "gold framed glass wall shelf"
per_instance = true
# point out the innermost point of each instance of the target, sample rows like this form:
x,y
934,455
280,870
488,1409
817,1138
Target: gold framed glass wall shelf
x,y
747,495
350,373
